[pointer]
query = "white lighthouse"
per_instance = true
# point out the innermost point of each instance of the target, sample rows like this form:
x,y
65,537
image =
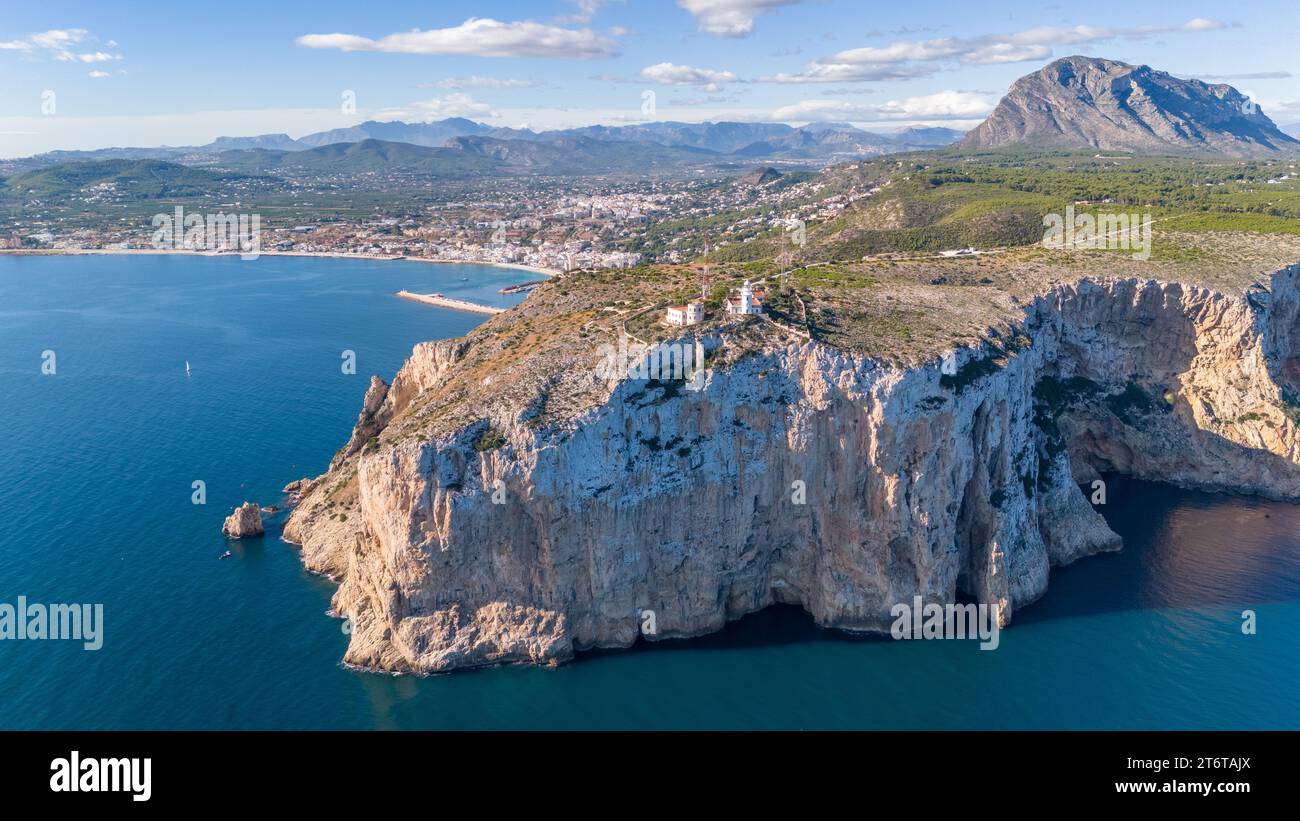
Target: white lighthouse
x,y
744,303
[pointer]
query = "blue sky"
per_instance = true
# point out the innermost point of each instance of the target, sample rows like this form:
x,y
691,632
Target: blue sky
x,y
186,73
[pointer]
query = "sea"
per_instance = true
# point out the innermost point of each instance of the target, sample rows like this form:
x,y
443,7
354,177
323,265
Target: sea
x,y
1195,624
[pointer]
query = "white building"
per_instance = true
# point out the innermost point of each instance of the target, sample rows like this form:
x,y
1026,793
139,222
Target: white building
x,y
692,313
746,302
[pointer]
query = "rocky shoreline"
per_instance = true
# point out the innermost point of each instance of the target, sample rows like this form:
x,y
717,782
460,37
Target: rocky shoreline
x,y
799,473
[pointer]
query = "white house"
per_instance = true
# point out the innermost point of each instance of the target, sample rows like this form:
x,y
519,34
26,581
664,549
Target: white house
x,y
692,313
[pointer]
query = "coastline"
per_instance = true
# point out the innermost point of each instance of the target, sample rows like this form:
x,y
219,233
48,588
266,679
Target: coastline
x,y
546,272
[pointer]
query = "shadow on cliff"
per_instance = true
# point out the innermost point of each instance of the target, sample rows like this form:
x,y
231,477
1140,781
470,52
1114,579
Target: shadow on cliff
x,y
1183,549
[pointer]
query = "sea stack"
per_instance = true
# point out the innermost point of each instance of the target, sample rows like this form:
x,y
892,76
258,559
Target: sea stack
x,y
245,521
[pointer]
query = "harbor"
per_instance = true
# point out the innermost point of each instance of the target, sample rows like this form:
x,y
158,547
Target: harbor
x,y
441,301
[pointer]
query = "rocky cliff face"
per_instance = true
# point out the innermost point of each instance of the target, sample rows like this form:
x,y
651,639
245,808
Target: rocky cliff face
x,y
797,474
1088,102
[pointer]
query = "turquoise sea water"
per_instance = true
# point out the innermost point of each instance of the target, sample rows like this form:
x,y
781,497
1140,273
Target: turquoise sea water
x,y
95,498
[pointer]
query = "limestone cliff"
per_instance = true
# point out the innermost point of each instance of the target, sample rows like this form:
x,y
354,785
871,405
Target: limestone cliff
x,y
466,534
244,522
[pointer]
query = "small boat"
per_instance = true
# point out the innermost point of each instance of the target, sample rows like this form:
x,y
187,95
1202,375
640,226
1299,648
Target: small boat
x,y
226,555
187,367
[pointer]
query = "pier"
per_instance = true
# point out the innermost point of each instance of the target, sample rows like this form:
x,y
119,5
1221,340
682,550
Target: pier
x,y
523,286
447,302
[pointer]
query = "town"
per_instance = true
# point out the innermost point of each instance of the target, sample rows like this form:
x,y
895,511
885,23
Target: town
x,y
553,224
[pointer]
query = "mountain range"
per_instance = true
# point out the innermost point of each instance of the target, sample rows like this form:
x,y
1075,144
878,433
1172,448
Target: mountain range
x,y
1089,102
1072,103
723,140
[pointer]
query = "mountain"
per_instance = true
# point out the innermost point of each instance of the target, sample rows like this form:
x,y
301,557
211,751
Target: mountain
x,y
431,134
271,141
814,142
129,179
826,143
1089,102
578,155
927,137
722,137
359,158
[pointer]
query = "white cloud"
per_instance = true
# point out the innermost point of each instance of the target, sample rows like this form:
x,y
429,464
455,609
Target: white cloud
x,y
98,75
585,11
673,75
850,73
1253,75
475,81
60,43
439,108
92,57
730,18
52,40
480,37
903,59
942,105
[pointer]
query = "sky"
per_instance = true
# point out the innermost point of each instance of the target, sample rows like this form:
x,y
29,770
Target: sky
x,y
82,75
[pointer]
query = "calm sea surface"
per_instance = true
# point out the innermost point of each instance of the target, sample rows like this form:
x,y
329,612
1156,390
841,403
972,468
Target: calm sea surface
x,y
95,499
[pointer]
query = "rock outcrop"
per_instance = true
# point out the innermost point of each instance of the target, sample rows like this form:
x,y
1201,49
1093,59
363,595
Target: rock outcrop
x,y
244,522
798,473
1088,102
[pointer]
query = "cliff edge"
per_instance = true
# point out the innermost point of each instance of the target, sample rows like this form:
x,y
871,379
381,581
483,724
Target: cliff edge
x,y
511,498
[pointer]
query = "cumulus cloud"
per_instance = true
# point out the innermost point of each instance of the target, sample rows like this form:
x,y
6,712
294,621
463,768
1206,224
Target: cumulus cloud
x,y
479,37
911,58
673,75
60,43
98,75
942,105
730,18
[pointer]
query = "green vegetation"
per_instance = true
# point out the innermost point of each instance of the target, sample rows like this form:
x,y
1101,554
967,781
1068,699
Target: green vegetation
x,y
489,439
1133,402
129,179
946,200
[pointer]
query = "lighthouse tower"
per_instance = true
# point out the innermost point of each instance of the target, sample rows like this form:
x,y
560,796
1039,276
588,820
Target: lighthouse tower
x,y
746,299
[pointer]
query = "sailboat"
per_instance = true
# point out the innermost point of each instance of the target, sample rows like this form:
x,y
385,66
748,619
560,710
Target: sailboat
x,y
187,367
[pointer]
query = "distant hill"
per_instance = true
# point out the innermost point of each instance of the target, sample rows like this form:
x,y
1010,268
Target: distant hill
x,y
818,142
132,179
1089,102
271,141
360,158
578,155
431,134
927,137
